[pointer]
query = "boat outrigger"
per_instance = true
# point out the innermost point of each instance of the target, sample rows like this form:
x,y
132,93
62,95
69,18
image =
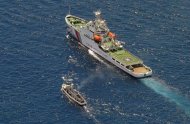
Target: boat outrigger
x,y
96,36
73,94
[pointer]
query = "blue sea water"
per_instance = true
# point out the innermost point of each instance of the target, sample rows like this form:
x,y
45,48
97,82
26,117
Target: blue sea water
x,y
35,55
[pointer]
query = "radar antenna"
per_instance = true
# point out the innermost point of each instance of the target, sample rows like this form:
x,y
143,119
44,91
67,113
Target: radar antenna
x,y
98,14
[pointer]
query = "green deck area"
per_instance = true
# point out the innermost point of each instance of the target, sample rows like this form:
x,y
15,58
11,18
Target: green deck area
x,y
77,22
108,44
125,57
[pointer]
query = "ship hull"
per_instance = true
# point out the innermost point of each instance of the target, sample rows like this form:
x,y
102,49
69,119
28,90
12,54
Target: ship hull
x,y
84,37
71,98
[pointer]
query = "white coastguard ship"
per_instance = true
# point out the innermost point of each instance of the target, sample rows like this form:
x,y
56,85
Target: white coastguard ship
x,y
96,36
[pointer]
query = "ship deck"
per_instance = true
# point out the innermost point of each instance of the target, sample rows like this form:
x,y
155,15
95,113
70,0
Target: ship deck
x,y
125,57
76,22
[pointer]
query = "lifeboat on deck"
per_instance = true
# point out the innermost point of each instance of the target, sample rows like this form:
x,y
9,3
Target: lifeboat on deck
x,y
112,35
97,38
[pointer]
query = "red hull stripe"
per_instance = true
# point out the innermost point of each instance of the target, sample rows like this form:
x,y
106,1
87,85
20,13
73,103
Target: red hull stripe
x,y
78,35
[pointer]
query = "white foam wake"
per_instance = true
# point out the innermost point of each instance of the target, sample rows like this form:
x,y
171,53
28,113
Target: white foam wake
x,y
91,115
169,93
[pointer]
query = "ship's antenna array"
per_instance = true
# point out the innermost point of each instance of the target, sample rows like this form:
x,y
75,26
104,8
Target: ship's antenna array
x,y
69,9
98,14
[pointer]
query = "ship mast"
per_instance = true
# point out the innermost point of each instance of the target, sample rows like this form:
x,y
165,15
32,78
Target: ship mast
x,y
100,24
69,10
98,14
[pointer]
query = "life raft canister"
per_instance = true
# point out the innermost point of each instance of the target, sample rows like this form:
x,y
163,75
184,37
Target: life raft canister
x,y
97,38
112,35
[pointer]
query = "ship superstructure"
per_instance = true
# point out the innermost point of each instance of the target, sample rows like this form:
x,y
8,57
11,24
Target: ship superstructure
x,y
96,36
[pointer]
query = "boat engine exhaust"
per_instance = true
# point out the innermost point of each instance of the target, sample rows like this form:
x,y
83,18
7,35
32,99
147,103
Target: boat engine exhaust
x,y
169,93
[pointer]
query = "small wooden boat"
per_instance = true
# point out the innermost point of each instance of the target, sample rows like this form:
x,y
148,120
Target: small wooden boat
x,y
73,94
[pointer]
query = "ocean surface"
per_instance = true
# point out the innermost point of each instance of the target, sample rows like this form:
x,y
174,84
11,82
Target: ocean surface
x,y
35,55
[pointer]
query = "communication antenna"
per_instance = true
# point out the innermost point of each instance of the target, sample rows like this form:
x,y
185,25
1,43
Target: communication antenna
x,y
69,9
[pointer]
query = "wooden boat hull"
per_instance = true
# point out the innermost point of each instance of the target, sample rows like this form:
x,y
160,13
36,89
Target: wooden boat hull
x,y
73,95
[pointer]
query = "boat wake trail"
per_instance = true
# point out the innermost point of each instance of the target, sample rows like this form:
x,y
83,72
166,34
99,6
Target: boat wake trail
x,y
173,95
91,115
